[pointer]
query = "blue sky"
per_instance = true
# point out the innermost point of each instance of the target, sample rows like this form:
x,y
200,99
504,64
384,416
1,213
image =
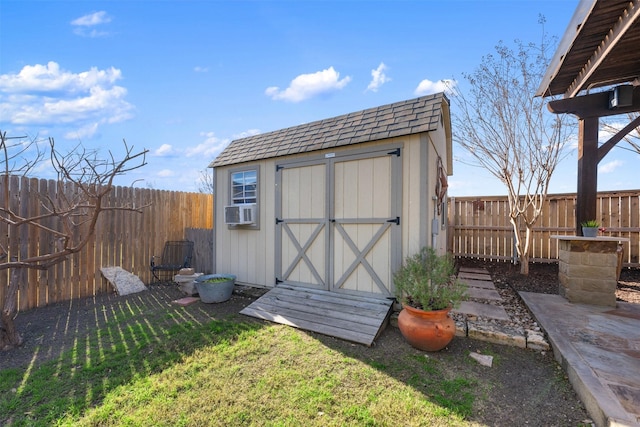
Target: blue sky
x,y
184,78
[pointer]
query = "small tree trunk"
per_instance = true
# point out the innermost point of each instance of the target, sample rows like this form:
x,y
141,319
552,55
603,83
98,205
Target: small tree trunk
x,y
524,264
524,252
522,245
9,336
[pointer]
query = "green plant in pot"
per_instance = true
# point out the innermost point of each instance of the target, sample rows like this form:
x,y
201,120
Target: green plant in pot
x,y
590,228
428,289
214,288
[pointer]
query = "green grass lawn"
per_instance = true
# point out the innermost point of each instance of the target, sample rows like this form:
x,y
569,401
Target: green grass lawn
x,y
139,360
227,372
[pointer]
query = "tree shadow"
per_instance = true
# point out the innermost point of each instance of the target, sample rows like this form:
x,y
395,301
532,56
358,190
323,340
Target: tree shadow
x,y
522,385
81,350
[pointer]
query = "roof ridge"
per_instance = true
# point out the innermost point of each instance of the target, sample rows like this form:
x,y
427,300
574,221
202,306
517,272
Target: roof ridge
x,y
385,121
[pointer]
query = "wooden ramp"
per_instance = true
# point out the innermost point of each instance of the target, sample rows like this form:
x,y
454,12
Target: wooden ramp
x,y
352,318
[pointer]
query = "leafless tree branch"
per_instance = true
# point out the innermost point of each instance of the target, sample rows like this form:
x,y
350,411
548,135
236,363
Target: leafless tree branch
x,y
84,181
632,138
510,132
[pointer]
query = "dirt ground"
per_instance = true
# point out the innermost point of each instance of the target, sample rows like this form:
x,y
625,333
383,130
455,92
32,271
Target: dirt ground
x,y
522,387
543,278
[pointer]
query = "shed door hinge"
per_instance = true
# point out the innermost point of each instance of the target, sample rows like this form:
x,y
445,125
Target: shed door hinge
x,y
395,152
396,220
278,221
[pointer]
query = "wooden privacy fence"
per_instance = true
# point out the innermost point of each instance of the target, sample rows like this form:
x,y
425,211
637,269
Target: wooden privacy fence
x,y
479,226
125,239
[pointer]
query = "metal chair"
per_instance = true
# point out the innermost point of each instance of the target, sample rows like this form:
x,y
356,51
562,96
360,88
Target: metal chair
x,y
177,254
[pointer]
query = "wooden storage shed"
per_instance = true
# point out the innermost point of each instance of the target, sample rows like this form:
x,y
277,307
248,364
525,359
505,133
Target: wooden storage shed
x,y
337,204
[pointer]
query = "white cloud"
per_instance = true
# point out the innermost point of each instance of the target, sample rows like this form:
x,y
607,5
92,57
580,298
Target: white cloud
x,y
610,166
84,25
50,78
610,128
92,19
607,130
199,69
164,150
246,133
48,95
378,78
427,87
209,148
166,173
83,132
572,142
306,86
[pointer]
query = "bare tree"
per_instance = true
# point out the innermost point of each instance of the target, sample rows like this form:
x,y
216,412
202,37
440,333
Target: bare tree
x,y
632,138
69,219
205,182
511,133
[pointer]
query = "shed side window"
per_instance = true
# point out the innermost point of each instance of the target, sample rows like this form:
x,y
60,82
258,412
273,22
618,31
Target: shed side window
x,y
243,186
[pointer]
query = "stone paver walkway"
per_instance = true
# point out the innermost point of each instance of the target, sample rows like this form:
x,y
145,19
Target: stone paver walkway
x,y
485,294
484,317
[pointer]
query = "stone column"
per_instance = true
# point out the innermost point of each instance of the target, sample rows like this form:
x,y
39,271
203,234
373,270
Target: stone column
x,y
588,269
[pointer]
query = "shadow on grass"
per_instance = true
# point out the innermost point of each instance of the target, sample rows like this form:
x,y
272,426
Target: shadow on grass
x,y
521,387
88,349
441,378
82,350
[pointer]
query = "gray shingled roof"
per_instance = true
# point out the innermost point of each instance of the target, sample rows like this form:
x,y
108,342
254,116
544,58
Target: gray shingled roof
x,y
387,121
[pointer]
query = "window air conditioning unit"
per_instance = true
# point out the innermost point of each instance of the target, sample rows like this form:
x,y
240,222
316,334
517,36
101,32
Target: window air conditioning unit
x,y
244,214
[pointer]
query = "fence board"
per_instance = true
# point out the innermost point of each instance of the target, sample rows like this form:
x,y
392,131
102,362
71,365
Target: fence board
x,y
4,241
202,248
121,238
52,273
43,244
634,218
23,242
476,222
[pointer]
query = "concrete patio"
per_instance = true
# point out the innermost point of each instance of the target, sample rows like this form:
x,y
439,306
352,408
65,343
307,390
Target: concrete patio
x,y
599,348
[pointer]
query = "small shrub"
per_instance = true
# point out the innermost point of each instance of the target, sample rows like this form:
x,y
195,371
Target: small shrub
x,y
428,281
592,223
217,280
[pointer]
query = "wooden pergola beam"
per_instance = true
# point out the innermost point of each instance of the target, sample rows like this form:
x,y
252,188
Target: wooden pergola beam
x,y
593,105
587,171
589,109
615,34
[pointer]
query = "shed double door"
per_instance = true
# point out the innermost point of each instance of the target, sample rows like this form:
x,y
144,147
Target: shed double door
x,y
338,222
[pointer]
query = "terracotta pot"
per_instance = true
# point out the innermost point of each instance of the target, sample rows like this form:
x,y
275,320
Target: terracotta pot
x,y
426,330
